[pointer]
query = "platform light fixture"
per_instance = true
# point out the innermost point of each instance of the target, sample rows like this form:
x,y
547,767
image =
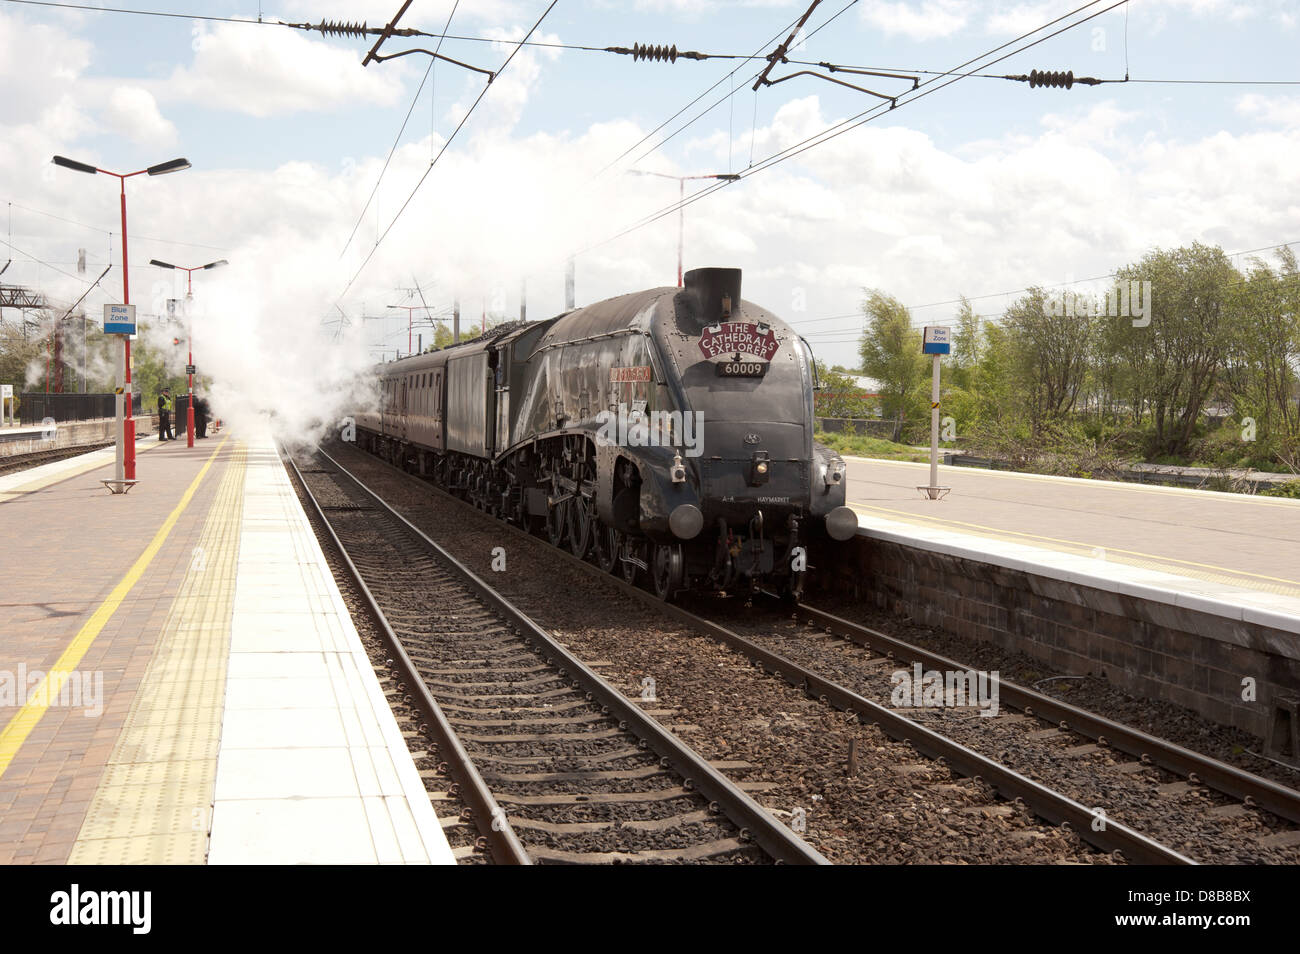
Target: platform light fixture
x,y
125,471
189,322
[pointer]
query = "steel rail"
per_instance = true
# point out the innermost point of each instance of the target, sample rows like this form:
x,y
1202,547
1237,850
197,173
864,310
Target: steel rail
x,y
1228,779
1048,804
754,820
489,817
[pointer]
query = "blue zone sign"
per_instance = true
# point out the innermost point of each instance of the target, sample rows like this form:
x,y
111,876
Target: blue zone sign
x,y
119,319
935,340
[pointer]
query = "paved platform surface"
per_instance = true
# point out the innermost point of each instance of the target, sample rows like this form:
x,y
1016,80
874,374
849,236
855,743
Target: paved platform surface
x,y
180,680
1216,549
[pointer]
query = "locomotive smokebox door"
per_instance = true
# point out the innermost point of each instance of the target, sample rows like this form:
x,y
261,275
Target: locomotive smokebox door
x,y
708,290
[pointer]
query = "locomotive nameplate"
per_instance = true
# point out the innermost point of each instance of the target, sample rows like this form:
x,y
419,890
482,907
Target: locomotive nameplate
x,y
630,375
741,369
739,337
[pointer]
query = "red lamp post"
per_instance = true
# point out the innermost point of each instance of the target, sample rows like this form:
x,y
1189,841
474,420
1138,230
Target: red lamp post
x,y
126,424
681,204
189,321
410,321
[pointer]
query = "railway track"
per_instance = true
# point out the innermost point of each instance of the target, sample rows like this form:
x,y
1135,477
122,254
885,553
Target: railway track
x,y
1077,732
1195,768
554,763
1051,806
20,462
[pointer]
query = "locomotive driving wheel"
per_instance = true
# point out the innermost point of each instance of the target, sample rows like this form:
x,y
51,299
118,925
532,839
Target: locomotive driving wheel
x,y
557,523
632,554
608,544
666,569
582,511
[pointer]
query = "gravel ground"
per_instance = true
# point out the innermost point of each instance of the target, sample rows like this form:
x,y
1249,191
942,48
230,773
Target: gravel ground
x,y
790,751
1161,719
1148,800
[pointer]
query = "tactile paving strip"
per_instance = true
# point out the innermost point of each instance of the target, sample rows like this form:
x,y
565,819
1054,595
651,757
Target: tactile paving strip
x,y
154,801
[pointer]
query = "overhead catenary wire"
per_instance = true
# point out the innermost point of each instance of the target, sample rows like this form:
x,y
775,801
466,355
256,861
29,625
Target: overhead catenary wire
x,y
49,265
926,88
636,145
587,48
96,228
398,138
441,152
677,132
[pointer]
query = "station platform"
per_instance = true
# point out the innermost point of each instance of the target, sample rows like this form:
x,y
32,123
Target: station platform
x,y
180,680
1234,556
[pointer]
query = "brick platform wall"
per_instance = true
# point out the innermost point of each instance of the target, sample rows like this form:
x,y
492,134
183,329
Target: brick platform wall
x,y
1185,656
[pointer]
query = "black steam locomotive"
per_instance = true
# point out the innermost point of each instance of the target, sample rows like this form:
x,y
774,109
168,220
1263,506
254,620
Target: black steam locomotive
x,y
667,433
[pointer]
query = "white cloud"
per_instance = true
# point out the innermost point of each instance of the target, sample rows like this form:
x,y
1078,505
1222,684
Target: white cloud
x,y
1014,20
133,112
30,50
926,20
1272,110
269,72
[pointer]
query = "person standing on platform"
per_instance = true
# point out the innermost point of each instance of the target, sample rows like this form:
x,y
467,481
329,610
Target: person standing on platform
x,y
200,417
165,415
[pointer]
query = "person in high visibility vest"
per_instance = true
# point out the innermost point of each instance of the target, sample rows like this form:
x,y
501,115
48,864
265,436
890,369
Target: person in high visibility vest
x,y
165,415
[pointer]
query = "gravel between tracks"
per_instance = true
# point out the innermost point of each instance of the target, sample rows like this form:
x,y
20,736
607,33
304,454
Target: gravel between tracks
x,y
1164,720
1178,816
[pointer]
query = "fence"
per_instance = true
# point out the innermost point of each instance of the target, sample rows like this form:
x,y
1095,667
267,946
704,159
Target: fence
x,y
863,426
35,406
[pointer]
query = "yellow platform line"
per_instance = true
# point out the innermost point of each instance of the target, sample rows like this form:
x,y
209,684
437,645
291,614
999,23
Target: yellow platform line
x,y
38,701
1190,568
153,804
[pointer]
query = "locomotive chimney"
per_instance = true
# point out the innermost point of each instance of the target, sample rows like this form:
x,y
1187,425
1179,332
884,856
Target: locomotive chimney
x,y
712,293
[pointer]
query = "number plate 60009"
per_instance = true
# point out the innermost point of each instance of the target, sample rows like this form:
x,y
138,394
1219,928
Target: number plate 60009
x,y
742,369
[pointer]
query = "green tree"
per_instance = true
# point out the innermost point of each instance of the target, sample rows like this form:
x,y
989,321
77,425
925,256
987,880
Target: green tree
x,y
1049,353
21,344
442,335
967,342
841,395
1260,378
150,366
1174,360
891,353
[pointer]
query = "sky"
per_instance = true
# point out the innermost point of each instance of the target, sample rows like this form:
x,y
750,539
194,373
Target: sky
x,y
979,187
